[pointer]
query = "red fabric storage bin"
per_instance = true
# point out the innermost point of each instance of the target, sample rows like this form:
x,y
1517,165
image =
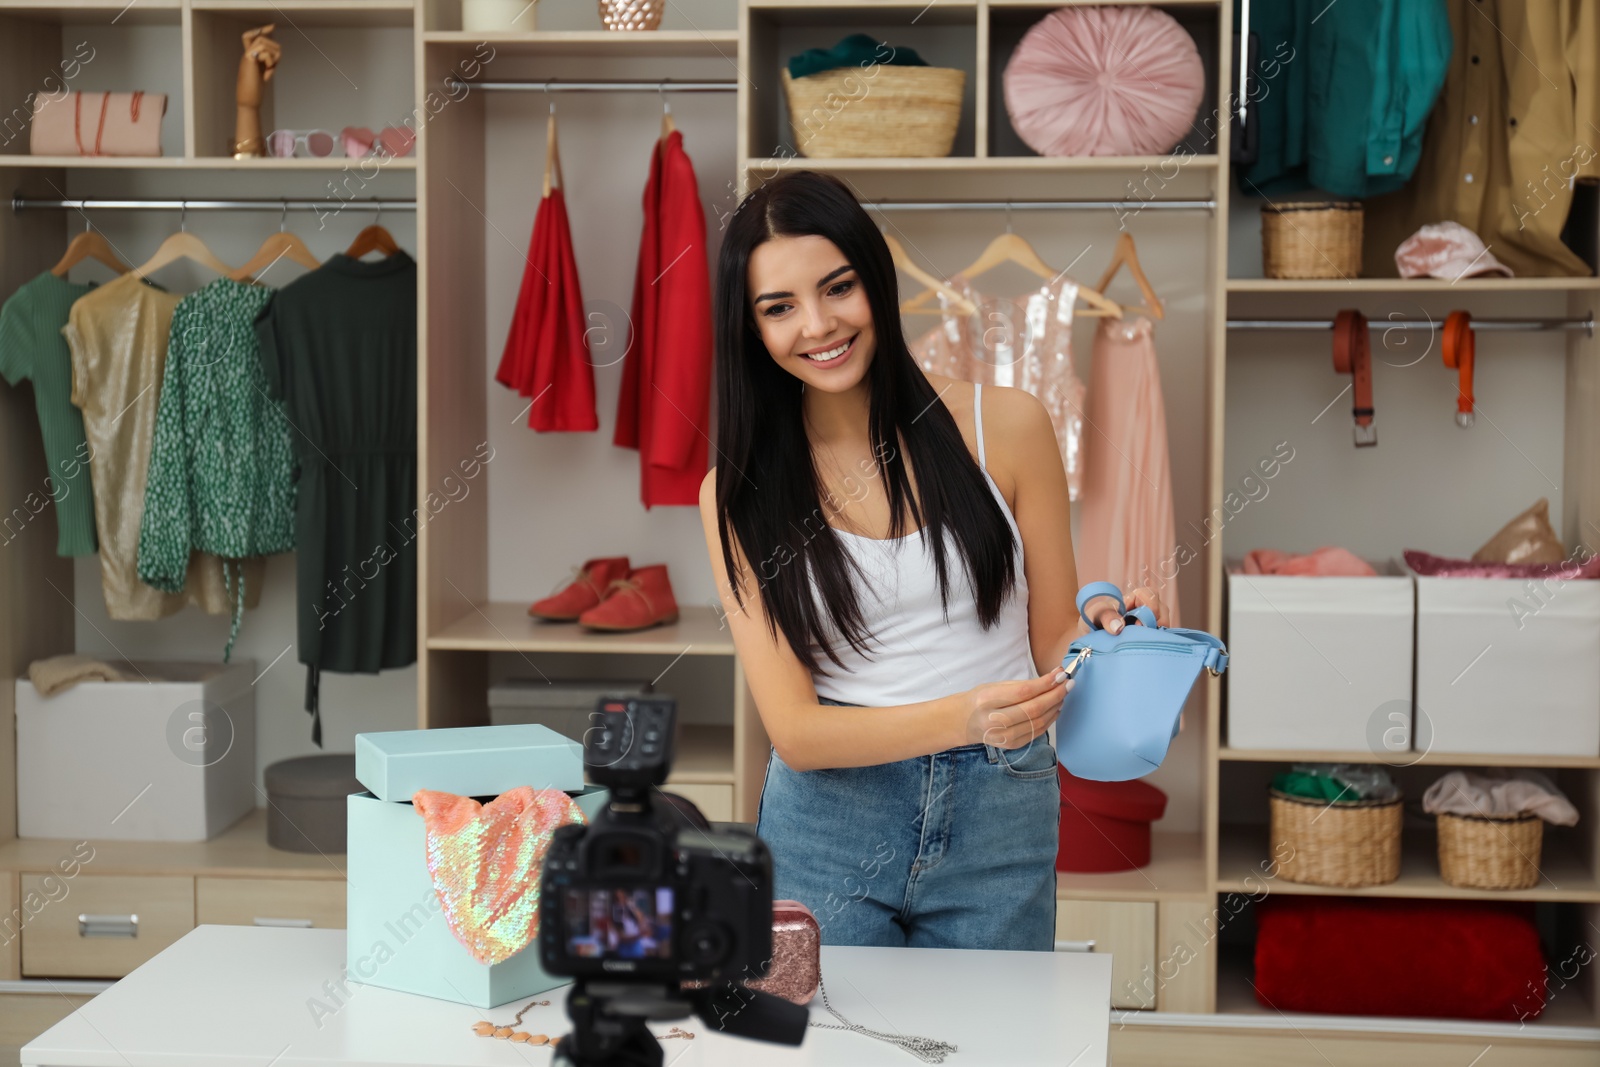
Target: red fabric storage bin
x,y
1105,826
1452,959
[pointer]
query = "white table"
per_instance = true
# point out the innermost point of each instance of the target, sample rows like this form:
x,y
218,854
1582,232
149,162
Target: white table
x,y
243,996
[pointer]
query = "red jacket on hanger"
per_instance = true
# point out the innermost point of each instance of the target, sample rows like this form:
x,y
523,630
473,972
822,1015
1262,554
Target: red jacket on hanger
x,y
664,409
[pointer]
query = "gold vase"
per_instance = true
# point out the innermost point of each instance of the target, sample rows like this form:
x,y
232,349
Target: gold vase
x,y
631,14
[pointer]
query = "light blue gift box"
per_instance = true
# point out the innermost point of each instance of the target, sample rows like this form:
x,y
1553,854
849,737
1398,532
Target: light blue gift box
x,y
397,934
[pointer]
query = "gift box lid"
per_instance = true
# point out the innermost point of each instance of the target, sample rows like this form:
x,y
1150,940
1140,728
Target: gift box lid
x,y
470,761
1134,801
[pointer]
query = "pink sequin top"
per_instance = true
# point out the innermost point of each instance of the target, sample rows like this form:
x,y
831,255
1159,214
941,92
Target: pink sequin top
x,y
1023,342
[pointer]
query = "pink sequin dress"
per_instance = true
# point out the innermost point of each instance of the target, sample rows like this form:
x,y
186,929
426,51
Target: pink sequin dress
x,y
1024,342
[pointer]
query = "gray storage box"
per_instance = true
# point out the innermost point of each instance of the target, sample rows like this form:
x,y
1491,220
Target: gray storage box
x,y
308,801
563,706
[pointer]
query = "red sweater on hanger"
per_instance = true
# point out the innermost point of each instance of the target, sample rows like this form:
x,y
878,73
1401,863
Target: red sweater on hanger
x,y
664,409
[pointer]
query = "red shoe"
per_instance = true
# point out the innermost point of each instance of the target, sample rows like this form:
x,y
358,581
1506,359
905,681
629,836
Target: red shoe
x,y
641,600
588,586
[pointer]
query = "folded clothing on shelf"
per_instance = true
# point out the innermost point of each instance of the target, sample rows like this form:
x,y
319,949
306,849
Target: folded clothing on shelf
x,y
1499,794
1336,782
1328,560
55,673
1528,538
856,50
1431,566
1455,959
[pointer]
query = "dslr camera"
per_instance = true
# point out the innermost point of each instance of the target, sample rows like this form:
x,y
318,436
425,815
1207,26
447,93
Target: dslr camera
x,y
648,896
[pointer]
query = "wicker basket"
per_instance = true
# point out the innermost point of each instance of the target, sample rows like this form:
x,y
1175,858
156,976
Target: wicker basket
x,y
631,16
1345,844
1484,853
895,111
1319,239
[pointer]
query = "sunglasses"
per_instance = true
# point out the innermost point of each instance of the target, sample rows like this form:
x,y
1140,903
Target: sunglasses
x,y
357,141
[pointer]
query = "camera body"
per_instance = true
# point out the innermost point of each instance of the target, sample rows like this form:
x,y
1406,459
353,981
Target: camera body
x,y
640,893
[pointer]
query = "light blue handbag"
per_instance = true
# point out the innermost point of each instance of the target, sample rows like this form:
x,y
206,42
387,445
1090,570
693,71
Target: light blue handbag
x,y
1129,689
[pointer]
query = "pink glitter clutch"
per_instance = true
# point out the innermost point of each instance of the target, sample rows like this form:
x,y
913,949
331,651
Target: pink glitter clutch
x,y
796,968
796,954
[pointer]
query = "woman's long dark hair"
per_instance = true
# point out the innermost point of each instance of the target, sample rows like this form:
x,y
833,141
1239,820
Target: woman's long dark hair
x,y
768,489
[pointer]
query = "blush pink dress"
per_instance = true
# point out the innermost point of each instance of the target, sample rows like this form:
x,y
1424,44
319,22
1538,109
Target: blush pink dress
x,y
1127,532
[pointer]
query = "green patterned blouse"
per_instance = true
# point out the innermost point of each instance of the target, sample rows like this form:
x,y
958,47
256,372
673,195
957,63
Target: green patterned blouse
x,y
222,464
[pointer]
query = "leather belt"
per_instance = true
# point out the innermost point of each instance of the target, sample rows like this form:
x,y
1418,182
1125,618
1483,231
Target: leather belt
x,y
1352,355
1458,345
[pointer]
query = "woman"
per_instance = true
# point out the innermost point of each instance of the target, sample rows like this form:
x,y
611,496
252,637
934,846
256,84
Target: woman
x,y
911,796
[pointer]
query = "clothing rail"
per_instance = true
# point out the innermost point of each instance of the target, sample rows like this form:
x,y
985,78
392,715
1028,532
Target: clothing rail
x,y
555,85
1585,324
28,203
1132,205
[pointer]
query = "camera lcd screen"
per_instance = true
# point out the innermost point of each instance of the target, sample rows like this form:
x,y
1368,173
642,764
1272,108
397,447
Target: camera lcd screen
x,y
619,924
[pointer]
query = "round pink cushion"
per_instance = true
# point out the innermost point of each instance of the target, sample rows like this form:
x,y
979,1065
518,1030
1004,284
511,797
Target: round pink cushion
x,y
1104,81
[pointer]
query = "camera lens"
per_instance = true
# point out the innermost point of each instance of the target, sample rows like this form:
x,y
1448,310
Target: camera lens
x,y
707,943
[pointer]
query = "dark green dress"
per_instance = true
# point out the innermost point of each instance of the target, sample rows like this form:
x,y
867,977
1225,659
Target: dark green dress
x,y
339,346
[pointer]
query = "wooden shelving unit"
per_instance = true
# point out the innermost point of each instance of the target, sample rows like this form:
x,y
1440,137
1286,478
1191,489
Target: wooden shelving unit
x,y
1564,875
1406,759
1162,908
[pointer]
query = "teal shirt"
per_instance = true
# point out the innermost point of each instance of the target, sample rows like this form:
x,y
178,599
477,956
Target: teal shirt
x,y
33,350
1343,92
221,476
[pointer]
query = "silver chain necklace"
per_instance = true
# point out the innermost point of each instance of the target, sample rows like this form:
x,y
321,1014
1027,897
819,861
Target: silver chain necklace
x,y
926,1049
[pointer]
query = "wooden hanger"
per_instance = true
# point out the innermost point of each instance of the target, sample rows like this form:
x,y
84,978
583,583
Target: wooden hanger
x,y
89,244
552,156
278,246
1010,247
905,263
373,239
182,245
1127,255
667,125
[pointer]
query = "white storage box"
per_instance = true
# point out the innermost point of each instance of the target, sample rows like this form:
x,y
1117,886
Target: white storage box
x,y
168,759
564,706
1508,665
1321,663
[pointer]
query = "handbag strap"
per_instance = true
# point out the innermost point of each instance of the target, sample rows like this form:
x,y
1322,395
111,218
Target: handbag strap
x,y
1094,589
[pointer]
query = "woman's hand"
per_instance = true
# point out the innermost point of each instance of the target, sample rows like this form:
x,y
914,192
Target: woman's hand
x,y
1011,714
1103,609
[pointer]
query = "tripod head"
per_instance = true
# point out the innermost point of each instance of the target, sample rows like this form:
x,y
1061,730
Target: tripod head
x,y
609,1019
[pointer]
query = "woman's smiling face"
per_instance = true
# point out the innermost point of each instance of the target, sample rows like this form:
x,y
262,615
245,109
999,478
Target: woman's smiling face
x,y
811,311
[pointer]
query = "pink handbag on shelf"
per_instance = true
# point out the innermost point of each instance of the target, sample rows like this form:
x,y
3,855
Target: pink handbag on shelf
x,y
98,124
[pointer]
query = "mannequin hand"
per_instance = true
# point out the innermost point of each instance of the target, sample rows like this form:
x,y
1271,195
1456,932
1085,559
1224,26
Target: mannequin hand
x,y
1011,714
261,55
1103,609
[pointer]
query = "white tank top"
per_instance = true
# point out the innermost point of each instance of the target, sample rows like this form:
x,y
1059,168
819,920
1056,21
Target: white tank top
x,y
914,654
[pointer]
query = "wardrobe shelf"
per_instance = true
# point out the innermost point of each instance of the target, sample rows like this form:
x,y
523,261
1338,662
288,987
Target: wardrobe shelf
x,y
703,755
1177,868
1243,860
500,626
708,44
96,12
981,164
1408,285
241,851
1567,1017
293,14
1407,759
203,163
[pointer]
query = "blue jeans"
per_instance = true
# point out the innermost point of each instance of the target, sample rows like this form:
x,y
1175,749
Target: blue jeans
x,y
952,850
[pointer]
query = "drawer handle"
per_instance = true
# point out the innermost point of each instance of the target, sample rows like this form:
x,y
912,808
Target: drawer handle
x,y
301,924
108,925
1074,946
